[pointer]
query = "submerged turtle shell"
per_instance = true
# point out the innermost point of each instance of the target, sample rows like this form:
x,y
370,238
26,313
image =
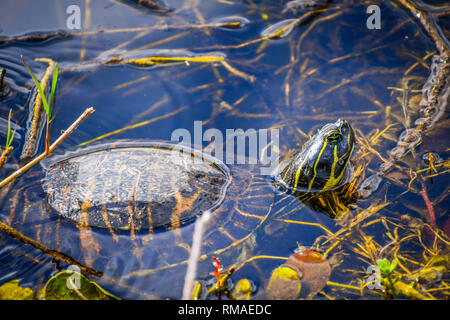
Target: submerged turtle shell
x,y
140,187
140,264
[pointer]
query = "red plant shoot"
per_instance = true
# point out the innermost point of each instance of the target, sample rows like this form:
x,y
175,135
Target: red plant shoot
x,y
217,270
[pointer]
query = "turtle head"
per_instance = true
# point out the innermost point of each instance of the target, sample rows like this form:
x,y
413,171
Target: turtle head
x,y
322,163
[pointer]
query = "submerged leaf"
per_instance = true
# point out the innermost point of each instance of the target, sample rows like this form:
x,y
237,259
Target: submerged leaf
x,y
233,22
280,29
72,285
369,186
296,4
148,58
306,272
284,284
313,269
242,290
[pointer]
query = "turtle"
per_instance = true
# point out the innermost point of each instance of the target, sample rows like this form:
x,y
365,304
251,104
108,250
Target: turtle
x,y
126,208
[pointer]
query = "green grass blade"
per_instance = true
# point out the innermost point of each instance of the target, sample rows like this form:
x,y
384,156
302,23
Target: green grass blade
x,y
10,137
52,93
38,85
9,131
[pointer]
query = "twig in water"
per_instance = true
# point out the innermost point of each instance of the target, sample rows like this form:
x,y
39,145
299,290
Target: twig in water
x,y
140,124
56,255
42,156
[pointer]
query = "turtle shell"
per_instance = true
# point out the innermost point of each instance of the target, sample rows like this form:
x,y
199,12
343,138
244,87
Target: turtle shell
x,y
82,205
140,187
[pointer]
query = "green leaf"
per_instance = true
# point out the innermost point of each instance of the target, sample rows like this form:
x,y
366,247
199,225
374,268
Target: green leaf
x,y
72,285
38,85
393,264
9,137
383,264
52,93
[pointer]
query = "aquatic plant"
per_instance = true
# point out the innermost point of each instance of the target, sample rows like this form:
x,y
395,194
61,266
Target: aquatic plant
x,y
47,105
9,138
386,270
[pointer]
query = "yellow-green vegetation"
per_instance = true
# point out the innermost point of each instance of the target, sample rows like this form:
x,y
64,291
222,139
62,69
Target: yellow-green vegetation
x,y
284,284
154,60
12,291
72,285
9,138
386,270
197,291
242,290
47,105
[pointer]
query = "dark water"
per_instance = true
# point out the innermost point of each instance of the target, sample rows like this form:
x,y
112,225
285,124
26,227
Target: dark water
x,y
331,66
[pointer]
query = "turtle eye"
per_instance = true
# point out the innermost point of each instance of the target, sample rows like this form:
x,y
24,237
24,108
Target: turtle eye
x,y
335,137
